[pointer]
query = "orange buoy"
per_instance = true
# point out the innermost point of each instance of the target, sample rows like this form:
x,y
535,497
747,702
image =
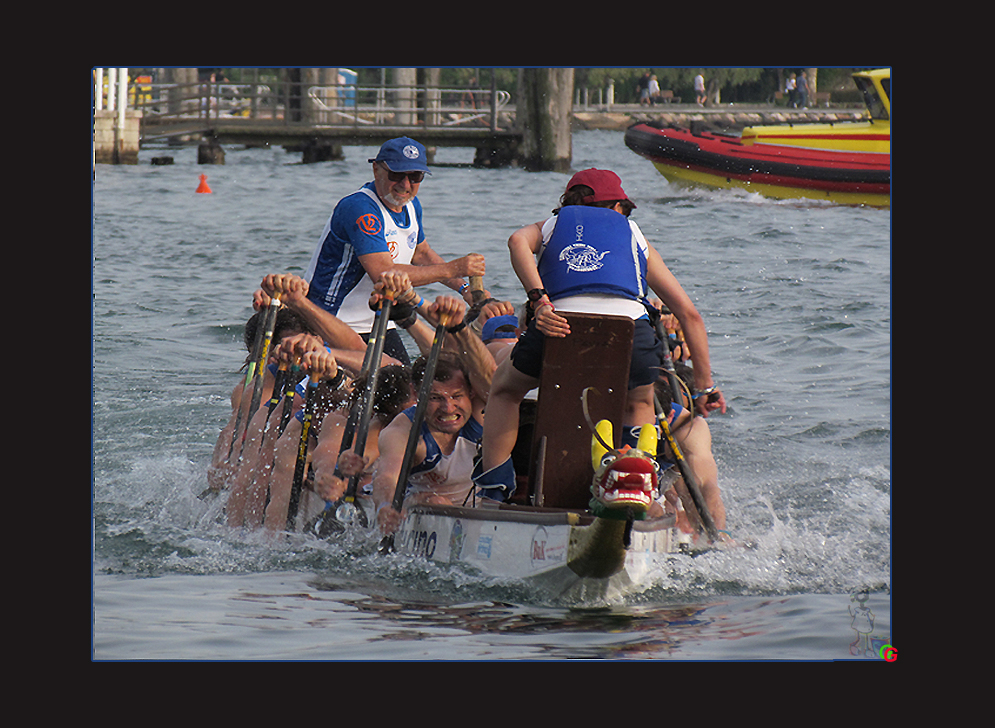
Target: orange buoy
x,y
202,187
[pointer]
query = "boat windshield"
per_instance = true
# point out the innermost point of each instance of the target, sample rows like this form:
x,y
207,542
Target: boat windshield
x,y
875,105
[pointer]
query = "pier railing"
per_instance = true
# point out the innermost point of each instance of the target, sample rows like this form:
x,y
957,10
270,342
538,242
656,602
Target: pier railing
x,y
310,105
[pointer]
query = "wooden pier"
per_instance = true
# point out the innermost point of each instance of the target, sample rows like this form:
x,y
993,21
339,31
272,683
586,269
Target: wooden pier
x,y
495,147
312,111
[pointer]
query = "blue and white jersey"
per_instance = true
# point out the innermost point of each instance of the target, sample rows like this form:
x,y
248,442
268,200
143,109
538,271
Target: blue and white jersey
x,y
360,224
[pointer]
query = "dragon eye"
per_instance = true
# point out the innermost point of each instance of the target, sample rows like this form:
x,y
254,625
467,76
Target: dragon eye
x,y
609,458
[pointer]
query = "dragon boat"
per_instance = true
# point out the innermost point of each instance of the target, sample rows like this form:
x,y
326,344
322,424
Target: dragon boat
x,y
846,162
578,525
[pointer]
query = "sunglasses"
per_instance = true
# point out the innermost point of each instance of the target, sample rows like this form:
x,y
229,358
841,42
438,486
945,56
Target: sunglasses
x,y
413,177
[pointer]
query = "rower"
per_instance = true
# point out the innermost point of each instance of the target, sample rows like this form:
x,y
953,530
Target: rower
x,y
450,433
694,438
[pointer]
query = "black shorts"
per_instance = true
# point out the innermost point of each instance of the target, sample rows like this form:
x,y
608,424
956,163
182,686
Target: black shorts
x,y
645,367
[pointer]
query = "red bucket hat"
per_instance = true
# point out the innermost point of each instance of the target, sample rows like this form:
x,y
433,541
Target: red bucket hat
x,y
606,185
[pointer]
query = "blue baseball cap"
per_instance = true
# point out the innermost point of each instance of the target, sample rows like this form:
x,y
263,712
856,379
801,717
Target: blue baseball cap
x,y
403,154
489,331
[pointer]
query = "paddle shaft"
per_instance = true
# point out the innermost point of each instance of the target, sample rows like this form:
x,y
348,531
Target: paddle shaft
x,y
424,391
279,383
690,479
254,374
288,396
250,373
668,362
478,298
298,486
358,425
477,289
269,328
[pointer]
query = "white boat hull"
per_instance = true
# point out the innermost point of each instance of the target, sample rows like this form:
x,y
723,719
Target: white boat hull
x,y
558,550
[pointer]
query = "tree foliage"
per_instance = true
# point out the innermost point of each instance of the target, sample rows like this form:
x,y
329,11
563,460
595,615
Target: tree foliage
x,y
746,84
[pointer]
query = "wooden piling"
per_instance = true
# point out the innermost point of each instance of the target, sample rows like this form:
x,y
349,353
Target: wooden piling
x,y
545,108
209,151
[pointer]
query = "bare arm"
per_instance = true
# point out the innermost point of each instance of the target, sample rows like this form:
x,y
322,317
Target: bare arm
x,y
480,366
426,267
666,286
292,291
524,244
393,442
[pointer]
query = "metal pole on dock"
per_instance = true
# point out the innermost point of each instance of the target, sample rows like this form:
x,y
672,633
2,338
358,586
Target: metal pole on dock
x,y
111,85
122,96
98,89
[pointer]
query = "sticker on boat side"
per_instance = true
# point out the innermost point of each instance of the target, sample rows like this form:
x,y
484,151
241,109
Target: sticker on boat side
x,y
484,547
543,552
456,540
420,543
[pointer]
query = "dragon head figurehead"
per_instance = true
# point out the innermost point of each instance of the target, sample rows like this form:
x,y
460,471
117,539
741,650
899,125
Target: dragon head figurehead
x,y
626,479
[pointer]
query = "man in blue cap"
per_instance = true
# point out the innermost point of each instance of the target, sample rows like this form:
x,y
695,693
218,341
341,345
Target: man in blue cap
x,y
377,228
500,334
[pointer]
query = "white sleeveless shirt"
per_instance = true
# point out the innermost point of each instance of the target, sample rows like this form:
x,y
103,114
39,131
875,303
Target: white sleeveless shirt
x,y
355,310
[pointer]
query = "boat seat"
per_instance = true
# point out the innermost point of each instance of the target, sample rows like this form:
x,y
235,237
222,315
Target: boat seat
x,y
596,354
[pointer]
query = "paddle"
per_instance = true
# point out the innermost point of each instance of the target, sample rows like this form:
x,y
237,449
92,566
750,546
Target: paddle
x,y
691,482
269,328
279,384
253,375
668,361
424,391
331,519
298,486
477,294
690,479
250,372
288,395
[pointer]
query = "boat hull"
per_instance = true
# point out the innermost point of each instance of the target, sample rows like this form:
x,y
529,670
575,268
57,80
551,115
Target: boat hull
x,y
559,551
776,170
851,136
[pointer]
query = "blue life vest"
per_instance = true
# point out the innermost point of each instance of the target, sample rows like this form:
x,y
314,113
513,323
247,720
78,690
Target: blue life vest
x,y
592,250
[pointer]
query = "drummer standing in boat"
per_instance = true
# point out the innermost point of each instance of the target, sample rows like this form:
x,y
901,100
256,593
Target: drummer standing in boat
x,y
377,228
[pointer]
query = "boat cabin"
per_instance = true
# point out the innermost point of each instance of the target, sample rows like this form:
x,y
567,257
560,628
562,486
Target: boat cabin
x,y
876,88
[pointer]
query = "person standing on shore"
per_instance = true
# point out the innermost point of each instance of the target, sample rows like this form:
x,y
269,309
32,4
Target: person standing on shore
x,y
699,90
802,91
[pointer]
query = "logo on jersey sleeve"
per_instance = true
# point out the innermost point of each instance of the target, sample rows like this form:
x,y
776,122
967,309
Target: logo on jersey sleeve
x,y
369,224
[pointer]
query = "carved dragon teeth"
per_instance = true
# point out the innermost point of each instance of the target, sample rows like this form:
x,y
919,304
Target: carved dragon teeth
x,y
613,493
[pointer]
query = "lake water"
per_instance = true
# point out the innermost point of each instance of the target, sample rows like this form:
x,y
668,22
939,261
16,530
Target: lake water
x,y
797,300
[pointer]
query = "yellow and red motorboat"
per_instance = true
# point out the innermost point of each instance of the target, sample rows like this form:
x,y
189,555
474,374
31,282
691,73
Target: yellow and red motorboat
x,y
845,162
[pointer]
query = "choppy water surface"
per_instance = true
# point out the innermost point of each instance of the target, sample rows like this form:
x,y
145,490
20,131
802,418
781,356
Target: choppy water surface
x,y
796,297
